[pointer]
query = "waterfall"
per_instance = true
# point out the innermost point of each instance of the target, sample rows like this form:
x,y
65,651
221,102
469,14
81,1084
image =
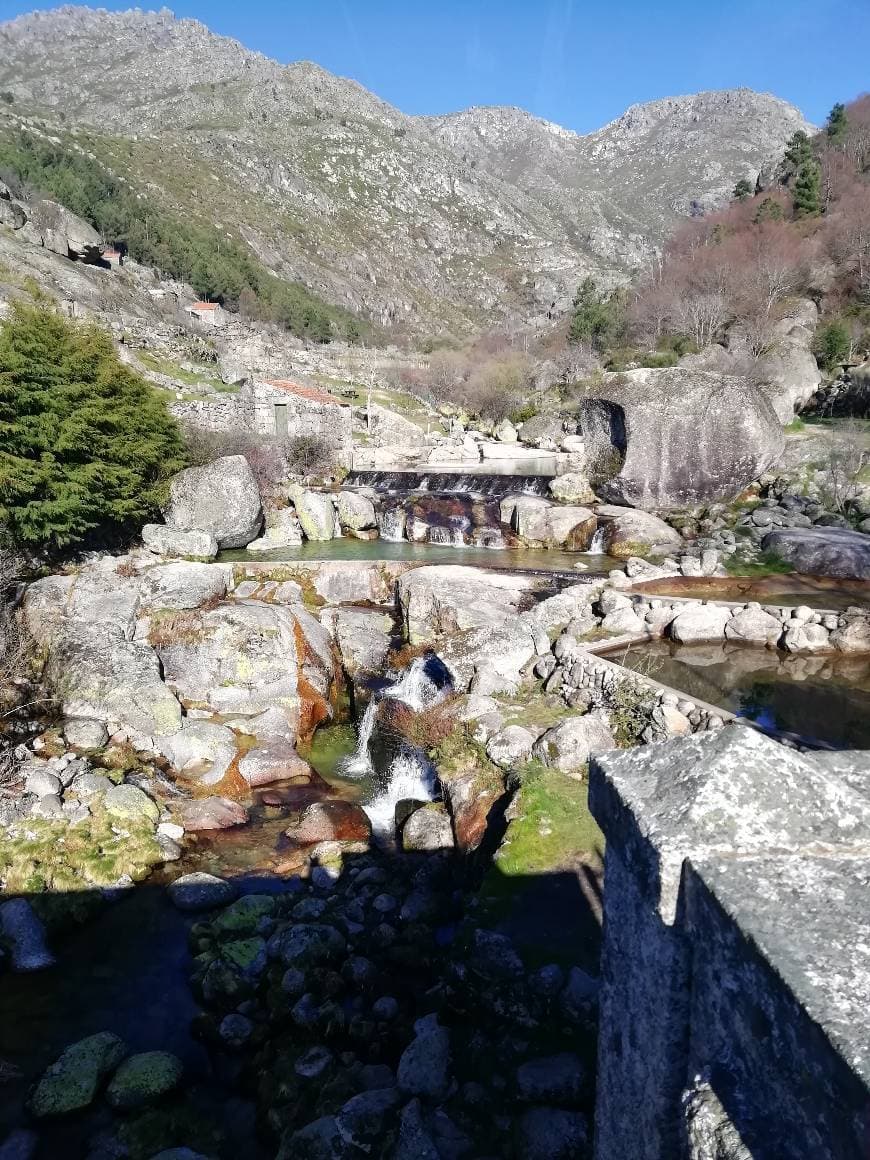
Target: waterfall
x,y
391,523
422,684
410,777
447,537
359,763
450,482
598,547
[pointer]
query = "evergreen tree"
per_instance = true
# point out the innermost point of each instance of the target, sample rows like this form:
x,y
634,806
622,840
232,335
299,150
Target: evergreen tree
x,y
85,445
799,150
742,190
597,318
832,344
807,191
770,210
837,122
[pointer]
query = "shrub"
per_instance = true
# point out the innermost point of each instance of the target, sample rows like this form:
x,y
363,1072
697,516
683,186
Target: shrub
x,y
832,344
267,457
86,447
630,707
310,455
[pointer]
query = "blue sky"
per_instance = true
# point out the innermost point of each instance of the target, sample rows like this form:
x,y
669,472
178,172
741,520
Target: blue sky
x,y
577,62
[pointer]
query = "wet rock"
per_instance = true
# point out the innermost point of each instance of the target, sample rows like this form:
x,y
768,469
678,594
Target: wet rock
x,y
72,1082
201,751
212,813
570,744
424,1067
130,804
221,498
629,532
25,936
331,821
428,829
85,735
144,1078
803,637
275,761
306,945
200,891
556,1079
551,1134
355,512
164,541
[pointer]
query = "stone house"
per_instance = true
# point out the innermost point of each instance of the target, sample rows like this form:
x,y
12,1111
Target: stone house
x,y
287,409
210,314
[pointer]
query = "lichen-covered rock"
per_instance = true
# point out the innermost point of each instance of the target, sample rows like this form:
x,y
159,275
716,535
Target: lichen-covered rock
x,y
570,744
72,1082
83,734
424,1068
165,541
355,512
283,530
306,944
363,637
629,532
143,1079
221,498
511,747
184,584
240,657
684,437
316,513
101,676
572,487
130,803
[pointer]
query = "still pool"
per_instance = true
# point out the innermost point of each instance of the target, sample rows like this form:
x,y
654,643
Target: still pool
x,y
820,699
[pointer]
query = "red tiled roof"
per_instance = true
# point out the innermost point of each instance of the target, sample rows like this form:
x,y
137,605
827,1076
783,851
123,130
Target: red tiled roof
x,y
304,392
204,306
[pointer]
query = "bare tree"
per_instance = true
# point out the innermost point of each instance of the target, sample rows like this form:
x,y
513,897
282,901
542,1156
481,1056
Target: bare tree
x,y
848,455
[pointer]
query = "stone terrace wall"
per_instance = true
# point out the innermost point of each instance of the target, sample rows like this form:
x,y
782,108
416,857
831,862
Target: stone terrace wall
x,y
231,413
735,975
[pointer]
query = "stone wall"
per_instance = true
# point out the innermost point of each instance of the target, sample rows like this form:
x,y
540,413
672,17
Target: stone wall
x,y
232,413
331,421
735,983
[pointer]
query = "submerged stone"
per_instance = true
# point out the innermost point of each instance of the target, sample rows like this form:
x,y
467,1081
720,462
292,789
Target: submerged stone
x,y
143,1078
73,1080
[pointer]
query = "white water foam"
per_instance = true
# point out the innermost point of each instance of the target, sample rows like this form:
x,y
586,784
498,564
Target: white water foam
x,y
409,778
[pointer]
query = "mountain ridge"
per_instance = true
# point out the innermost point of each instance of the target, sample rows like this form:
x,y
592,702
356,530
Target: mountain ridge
x,y
489,215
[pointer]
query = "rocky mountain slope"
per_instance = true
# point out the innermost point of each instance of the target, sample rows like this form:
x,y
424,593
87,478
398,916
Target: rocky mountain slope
x,y
422,223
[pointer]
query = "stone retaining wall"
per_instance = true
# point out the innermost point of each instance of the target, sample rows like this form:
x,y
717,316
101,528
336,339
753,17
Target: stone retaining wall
x,y
735,984
223,414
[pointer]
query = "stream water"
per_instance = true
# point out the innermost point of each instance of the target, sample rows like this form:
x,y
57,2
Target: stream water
x,y
507,559
822,699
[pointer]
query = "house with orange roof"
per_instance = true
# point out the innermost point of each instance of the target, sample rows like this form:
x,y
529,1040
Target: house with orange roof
x,y
210,314
288,408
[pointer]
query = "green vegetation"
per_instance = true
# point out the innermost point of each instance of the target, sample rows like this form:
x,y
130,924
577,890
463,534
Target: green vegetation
x,y
742,190
837,123
832,343
86,447
795,426
598,318
219,268
808,191
630,705
767,564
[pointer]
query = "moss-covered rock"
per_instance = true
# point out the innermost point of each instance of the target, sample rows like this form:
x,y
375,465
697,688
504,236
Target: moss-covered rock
x,y
144,1078
72,1082
130,802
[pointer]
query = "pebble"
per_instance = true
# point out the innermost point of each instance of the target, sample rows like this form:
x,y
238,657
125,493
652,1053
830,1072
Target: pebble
x,y
313,1062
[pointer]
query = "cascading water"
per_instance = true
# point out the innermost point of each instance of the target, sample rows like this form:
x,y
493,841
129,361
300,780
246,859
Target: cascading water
x,y
421,685
598,547
391,523
449,537
410,778
450,483
360,763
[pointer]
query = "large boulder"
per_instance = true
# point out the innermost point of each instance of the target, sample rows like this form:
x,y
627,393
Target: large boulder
x,y
221,498
202,751
363,637
788,373
72,1081
240,657
629,532
677,437
316,513
282,531
542,524
64,233
444,599
104,677
570,744
572,487
184,585
355,512
835,552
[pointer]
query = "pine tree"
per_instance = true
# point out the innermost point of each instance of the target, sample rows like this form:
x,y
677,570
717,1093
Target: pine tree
x,y
799,150
770,210
742,190
837,122
807,191
85,445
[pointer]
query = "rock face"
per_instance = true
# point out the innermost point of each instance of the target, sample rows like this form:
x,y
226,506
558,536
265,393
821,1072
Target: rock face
x,y
221,499
166,541
64,233
442,600
835,552
684,437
